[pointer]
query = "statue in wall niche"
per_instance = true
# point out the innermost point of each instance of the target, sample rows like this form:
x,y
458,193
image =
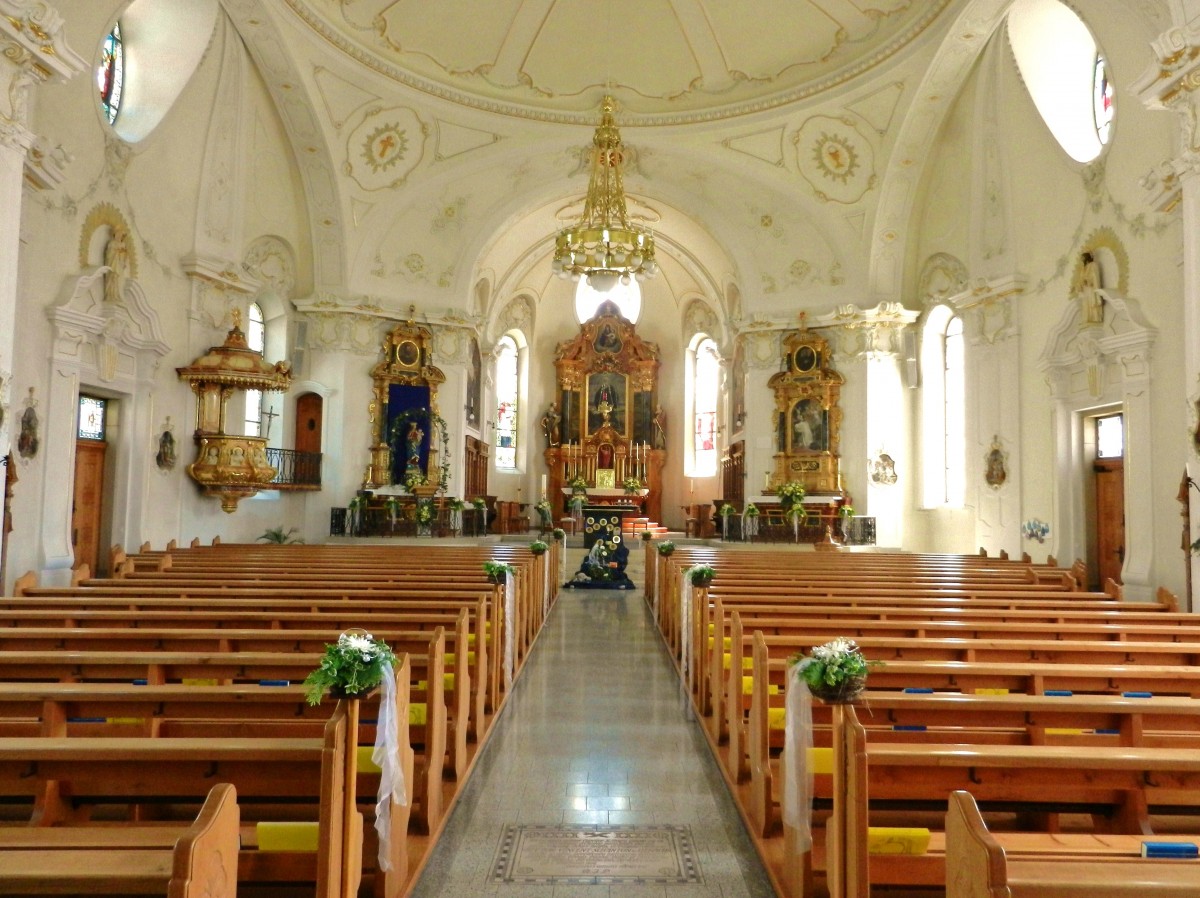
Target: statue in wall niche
x,y
1091,303
28,441
996,472
413,438
116,257
165,457
658,439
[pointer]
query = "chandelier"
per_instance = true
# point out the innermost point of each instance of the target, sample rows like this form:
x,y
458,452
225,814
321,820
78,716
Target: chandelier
x,y
603,246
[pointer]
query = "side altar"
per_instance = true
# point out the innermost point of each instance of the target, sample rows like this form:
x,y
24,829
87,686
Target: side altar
x,y
607,429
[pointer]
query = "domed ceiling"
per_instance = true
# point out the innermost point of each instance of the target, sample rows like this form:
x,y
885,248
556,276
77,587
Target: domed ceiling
x,y
665,61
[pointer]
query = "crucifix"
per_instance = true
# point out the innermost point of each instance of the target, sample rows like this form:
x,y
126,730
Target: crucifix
x,y
270,414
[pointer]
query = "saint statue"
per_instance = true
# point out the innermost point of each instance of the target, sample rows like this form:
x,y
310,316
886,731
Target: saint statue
x,y
116,257
550,425
658,437
1091,303
413,438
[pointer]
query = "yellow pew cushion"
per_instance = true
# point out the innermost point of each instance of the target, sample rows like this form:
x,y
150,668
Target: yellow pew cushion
x,y
416,714
987,690
748,687
365,764
287,836
897,840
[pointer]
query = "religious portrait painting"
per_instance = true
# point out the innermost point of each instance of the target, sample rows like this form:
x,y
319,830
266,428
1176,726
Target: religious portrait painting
x,y
996,466
606,401
607,340
810,426
474,380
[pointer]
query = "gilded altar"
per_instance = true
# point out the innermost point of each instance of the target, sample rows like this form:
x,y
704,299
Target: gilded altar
x,y
605,428
808,420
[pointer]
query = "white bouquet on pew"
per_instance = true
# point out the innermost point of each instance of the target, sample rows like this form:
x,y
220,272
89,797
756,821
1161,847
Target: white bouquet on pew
x,y
835,671
352,666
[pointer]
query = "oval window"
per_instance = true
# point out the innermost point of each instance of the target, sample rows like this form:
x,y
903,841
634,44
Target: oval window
x,y
1065,73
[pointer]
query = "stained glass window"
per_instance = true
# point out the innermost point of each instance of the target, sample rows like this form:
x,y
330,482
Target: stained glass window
x,y
508,388
1102,94
707,376
91,417
110,74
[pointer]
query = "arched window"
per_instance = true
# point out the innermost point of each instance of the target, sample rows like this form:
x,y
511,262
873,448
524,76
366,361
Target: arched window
x,y
943,368
110,73
628,298
1065,73
508,393
256,339
705,383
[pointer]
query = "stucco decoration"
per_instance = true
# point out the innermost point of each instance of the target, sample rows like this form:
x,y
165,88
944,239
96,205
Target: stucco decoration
x,y
942,276
517,315
683,62
340,332
270,261
835,159
342,98
385,147
699,318
452,345
762,350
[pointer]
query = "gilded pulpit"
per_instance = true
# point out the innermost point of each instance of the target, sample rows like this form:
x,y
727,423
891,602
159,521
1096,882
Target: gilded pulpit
x,y
602,429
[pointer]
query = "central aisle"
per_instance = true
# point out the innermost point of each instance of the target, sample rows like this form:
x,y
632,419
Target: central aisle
x,y
596,731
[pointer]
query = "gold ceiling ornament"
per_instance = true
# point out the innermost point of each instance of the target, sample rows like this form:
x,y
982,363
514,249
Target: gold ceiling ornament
x,y
603,246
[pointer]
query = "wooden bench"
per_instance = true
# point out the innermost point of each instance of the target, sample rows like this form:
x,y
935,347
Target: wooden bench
x,y
982,865
202,861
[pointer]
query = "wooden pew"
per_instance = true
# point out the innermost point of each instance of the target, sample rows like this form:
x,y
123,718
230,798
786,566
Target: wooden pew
x,y
201,864
980,865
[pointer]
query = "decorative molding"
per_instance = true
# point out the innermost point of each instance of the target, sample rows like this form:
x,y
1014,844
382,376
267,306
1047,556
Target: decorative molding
x,y
224,275
269,260
835,159
385,147
33,49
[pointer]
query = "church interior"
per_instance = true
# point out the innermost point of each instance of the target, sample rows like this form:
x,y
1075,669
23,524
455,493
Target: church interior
x,y
893,277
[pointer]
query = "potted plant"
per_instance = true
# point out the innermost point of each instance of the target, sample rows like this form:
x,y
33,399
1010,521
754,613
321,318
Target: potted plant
x,y
537,547
647,535
835,672
790,494
497,570
350,668
666,547
701,575
559,534
280,536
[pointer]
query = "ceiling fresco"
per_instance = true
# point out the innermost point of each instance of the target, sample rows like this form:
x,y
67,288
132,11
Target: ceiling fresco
x,y
665,61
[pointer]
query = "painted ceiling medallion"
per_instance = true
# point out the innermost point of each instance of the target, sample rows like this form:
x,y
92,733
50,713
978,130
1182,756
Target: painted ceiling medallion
x,y
385,147
549,59
835,159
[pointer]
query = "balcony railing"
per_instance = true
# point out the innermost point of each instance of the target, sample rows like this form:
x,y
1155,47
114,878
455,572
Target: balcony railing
x,y
295,470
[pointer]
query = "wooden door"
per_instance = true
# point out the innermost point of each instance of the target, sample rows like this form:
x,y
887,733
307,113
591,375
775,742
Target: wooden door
x,y
87,503
309,414
1110,519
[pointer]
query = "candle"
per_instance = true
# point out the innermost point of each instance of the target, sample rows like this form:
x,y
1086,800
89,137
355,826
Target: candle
x,y
543,496
691,484
766,480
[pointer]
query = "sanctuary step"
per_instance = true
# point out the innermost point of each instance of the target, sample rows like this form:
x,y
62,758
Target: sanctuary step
x,y
635,526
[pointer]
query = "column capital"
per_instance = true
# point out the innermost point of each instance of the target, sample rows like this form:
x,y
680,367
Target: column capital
x,y
33,48
1172,83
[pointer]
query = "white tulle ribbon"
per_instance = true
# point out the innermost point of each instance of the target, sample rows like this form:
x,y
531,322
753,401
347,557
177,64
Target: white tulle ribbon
x,y
654,579
797,775
725,527
386,756
749,525
685,621
545,585
456,520
510,612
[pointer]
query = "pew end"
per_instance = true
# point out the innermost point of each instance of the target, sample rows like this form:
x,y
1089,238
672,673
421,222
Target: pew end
x,y
206,857
975,862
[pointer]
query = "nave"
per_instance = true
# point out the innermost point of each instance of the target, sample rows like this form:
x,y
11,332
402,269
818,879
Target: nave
x,y
597,732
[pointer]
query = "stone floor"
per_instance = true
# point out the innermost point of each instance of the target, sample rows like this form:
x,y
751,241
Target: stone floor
x,y
597,731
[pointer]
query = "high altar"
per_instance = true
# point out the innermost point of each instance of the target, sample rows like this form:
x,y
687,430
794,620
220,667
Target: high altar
x,y
607,425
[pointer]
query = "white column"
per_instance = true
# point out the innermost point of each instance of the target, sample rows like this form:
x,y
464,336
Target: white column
x,y
1172,82
33,49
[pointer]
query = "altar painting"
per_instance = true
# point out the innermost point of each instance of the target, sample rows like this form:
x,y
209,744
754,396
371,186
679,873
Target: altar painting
x,y
606,391
810,427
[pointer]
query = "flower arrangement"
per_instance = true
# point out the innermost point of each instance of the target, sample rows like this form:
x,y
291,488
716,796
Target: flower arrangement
x,y
412,480
666,547
701,575
846,511
751,510
791,493
578,485
1035,529
537,547
632,485
797,514
497,570
559,534
647,535
457,505
424,511
835,671
576,504
726,510
357,503
352,666
543,510
480,503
